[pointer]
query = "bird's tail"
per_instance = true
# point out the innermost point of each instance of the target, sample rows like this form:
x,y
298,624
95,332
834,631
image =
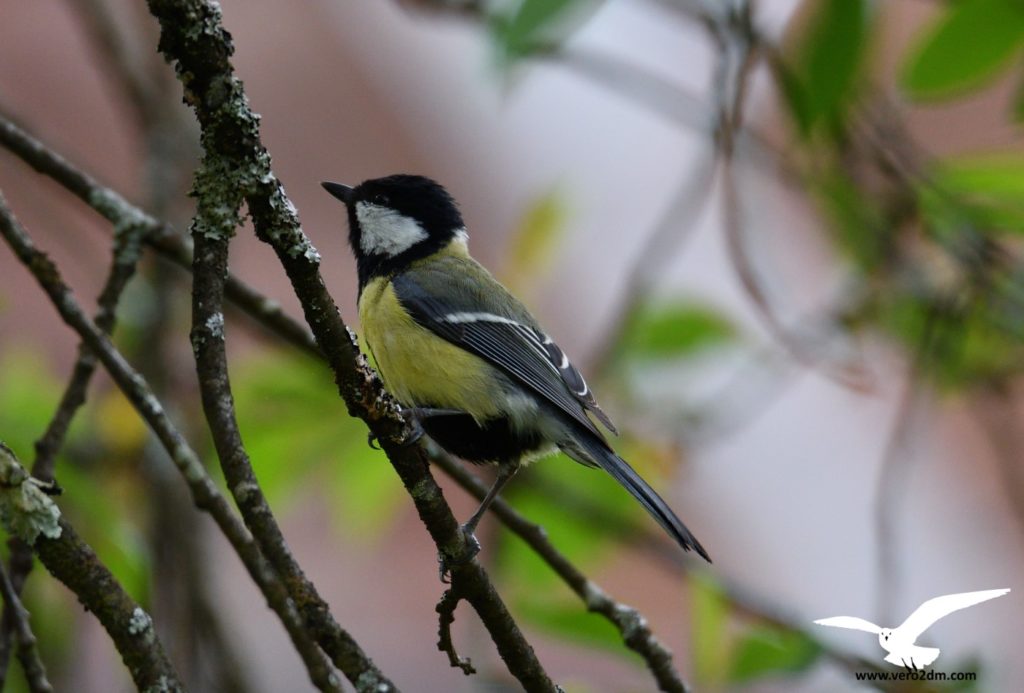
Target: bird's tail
x,y
597,452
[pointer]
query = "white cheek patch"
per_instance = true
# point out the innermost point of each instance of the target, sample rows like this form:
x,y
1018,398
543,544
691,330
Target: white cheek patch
x,y
385,231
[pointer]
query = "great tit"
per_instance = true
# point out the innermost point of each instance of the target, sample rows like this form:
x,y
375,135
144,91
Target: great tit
x,y
453,345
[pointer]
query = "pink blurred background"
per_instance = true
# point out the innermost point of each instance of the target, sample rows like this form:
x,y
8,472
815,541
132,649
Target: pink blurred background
x,y
785,501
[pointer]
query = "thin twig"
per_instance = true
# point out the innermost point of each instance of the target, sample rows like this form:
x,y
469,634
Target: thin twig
x,y
125,260
108,203
446,617
28,653
211,234
33,517
160,236
632,626
654,544
204,492
673,229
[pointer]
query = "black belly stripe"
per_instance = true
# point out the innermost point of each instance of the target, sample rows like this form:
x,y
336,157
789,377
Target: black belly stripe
x,y
494,441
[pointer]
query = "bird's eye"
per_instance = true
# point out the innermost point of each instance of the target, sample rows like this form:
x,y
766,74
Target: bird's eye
x,y
381,199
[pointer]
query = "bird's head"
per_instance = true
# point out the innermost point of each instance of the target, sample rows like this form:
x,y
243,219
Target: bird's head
x,y
396,220
884,635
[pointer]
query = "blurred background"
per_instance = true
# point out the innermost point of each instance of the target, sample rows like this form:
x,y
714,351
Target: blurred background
x,y
781,239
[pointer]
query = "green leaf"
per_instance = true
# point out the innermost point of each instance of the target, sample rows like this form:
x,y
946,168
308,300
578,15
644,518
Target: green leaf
x,y
29,394
854,217
999,176
536,25
298,434
672,330
533,243
965,48
764,650
368,492
820,83
571,621
100,507
988,193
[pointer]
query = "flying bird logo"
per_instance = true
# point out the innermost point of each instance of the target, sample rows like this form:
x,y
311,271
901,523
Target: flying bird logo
x,y
899,641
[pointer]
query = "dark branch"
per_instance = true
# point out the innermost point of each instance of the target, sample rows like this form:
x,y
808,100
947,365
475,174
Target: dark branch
x,y
125,260
632,626
208,343
160,236
446,617
28,654
34,518
193,38
204,492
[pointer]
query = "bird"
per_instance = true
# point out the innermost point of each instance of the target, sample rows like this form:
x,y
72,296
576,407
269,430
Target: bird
x,y
899,641
465,357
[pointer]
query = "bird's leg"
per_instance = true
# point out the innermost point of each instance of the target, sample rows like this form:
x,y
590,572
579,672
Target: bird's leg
x,y
413,416
505,472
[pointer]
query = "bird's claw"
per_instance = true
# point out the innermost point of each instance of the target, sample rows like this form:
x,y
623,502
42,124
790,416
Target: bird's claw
x,y
446,562
415,431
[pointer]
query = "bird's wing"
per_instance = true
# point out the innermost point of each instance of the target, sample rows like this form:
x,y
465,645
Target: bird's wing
x,y
496,327
934,609
851,622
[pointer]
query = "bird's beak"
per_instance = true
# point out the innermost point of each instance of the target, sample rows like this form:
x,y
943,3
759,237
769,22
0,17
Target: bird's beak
x,y
342,192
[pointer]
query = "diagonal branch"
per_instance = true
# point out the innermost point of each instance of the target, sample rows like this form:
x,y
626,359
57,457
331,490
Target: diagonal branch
x,y
193,37
204,492
160,236
279,323
28,653
212,235
630,623
34,518
125,260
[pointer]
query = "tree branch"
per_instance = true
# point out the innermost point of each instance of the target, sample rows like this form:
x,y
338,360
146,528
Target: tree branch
x,y
204,491
160,236
193,38
208,343
630,623
28,654
28,513
125,260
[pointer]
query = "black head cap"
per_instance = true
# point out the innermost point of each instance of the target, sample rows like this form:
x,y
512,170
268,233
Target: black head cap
x,y
395,220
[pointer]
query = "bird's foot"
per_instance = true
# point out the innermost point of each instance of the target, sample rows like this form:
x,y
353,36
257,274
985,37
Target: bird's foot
x,y
415,415
412,416
471,549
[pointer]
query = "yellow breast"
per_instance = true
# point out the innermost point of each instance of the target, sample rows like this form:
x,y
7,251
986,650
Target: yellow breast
x,y
418,367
